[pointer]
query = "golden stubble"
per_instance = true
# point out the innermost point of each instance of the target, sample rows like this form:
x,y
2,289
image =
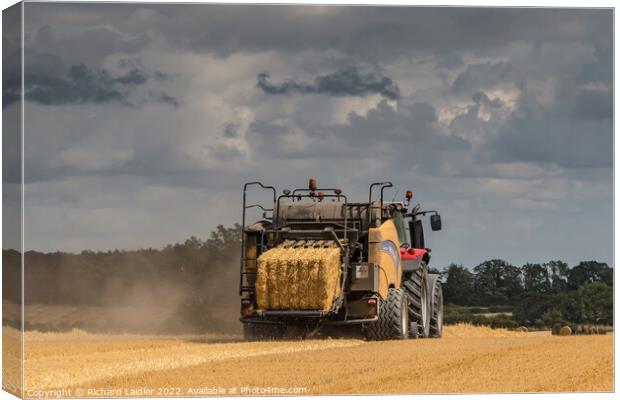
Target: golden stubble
x,y
467,360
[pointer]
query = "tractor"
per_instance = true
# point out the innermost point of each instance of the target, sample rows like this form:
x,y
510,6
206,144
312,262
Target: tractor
x,y
316,259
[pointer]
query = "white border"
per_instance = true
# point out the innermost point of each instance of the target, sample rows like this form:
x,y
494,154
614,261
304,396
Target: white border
x,y
471,3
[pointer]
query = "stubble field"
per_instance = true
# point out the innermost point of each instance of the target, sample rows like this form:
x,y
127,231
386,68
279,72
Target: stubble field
x,y
467,360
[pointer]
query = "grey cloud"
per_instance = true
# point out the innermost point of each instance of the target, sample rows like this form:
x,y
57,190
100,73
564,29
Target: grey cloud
x,y
346,82
477,76
78,84
593,104
373,32
368,32
48,81
561,129
231,130
265,128
87,45
11,55
600,70
133,77
563,117
165,98
469,122
450,60
408,133
482,98
552,140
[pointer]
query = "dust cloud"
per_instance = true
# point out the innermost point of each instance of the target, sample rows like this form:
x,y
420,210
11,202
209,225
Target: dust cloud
x,y
142,292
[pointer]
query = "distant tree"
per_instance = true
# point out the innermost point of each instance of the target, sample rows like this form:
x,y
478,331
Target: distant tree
x,y
598,302
458,285
552,316
531,306
497,282
558,275
589,271
535,278
571,305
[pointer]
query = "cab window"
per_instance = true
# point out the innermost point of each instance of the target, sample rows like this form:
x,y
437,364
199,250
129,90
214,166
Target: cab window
x,y
399,222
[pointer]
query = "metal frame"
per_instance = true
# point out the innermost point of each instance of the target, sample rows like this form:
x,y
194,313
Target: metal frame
x,y
422,213
383,185
243,227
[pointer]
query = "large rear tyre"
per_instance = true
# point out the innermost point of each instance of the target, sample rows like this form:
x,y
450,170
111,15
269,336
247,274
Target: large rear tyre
x,y
261,332
416,288
393,322
437,310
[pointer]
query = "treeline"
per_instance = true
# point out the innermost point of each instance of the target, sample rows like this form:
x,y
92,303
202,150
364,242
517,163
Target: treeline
x,y
205,273
532,295
201,270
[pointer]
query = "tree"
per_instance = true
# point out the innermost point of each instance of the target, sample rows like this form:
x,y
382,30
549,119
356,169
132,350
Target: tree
x,y
458,285
590,271
497,282
531,307
552,316
598,302
558,275
535,278
571,305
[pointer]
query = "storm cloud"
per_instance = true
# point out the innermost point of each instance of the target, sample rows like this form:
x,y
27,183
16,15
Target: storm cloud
x,y
346,82
49,82
501,118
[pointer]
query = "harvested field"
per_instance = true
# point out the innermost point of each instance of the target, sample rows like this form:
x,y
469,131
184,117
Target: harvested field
x,y
468,359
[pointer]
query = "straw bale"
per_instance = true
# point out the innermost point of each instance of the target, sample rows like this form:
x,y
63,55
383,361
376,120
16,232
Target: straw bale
x,y
298,278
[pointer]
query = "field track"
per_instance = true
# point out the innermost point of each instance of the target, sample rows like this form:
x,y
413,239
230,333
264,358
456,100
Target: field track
x,y
466,360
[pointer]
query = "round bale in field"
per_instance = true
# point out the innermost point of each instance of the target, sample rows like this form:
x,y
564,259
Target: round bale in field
x,y
522,329
565,331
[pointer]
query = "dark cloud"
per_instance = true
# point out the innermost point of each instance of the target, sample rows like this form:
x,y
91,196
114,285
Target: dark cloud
x,y
346,82
78,84
165,98
49,82
231,130
593,104
367,32
87,45
133,77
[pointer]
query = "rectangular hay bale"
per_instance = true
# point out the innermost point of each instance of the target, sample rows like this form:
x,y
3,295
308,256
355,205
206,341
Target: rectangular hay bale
x,y
298,278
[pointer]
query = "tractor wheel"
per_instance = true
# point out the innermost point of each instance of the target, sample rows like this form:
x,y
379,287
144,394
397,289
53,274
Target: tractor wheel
x,y
437,311
393,322
255,332
416,288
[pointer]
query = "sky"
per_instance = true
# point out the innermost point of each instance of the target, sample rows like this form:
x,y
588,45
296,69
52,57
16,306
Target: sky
x,y
142,122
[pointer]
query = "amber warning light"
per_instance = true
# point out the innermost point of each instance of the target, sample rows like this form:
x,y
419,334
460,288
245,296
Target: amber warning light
x,y
409,195
312,184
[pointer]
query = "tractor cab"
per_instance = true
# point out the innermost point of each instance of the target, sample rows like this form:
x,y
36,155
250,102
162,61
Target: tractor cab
x,y
410,228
